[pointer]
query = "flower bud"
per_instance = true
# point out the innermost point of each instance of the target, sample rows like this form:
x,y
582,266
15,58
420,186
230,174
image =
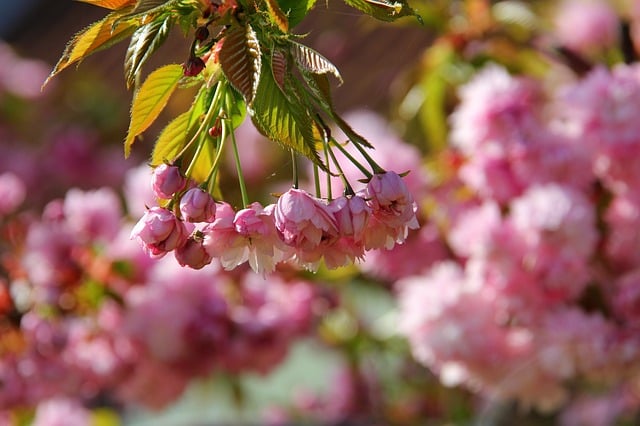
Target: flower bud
x,y
351,214
193,254
159,231
197,205
193,67
167,180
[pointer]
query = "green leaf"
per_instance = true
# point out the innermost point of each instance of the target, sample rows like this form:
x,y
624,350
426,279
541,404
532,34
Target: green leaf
x,y
284,118
296,10
144,42
312,61
148,9
110,4
240,59
385,10
177,133
97,36
150,100
277,16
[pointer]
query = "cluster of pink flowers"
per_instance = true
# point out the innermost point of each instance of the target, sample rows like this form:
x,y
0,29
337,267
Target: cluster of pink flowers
x,y
97,318
540,289
299,227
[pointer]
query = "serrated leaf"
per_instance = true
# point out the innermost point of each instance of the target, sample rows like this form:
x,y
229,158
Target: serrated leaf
x,y
277,15
97,36
110,4
385,10
146,10
144,42
240,59
177,133
296,10
312,61
280,118
150,100
279,67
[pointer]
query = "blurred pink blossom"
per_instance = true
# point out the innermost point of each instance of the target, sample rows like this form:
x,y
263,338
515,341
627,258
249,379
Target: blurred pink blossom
x,y
586,26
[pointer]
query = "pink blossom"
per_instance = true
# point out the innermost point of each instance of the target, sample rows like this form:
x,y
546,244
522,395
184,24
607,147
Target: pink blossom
x,y
495,109
62,412
12,192
248,235
167,180
626,300
159,232
197,205
393,211
602,111
351,214
558,216
586,26
193,253
94,215
306,224
622,245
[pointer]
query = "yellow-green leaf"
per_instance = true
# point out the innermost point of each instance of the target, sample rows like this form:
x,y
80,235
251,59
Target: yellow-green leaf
x,y
97,36
110,4
278,16
150,100
175,135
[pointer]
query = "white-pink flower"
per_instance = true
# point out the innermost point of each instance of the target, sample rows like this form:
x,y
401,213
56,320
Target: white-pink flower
x,y
393,211
305,224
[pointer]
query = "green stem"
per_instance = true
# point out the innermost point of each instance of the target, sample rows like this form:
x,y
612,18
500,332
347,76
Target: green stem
x,y
205,121
241,182
348,190
326,160
294,161
353,160
376,168
316,180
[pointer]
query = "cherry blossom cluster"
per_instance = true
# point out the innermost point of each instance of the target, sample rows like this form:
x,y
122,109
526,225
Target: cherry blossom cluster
x,y
299,227
540,290
98,317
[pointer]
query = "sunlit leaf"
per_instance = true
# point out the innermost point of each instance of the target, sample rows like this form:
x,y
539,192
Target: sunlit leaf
x,y
110,4
385,10
296,10
144,42
177,133
150,100
97,36
240,59
277,15
284,119
313,62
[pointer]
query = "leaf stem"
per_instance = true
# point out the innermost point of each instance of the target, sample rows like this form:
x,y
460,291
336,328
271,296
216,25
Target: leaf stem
x,y
241,181
294,161
355,162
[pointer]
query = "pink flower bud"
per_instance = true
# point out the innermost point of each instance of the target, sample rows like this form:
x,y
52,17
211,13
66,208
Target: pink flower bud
x,y
197,205
193,254
167,180
391,201
351,214
303,220
159,231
